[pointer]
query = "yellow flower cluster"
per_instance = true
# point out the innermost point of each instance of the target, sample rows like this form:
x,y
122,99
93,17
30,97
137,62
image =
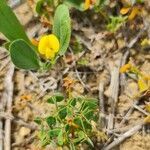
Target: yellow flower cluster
x,y
48,46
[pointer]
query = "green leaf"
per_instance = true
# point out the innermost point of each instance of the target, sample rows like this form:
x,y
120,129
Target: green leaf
x,y
60,138
54,133
89,115
78,121
63,113
58,97
9,24
39,7
44,138
62,27
90,142
89,103
80,138
67,128
6,45
82,123
72,146
38,120
87,125
73,102
51,121
116,22
23,56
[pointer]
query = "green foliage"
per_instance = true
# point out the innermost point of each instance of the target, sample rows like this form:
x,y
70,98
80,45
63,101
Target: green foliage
x,y
23,56
58,97
62,27
38,120
115,23
70,125
9,24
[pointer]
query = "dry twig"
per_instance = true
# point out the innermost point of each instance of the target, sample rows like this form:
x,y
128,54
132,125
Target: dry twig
x,y
123,137
123,76
101,104
114,91
8,97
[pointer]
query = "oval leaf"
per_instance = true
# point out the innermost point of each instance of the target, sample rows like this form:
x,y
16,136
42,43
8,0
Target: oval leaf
x,y
62,27
23,56
51,121
63,113
58,97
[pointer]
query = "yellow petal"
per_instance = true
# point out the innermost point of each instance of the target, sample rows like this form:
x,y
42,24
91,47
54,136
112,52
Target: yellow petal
x,y
147,107
134,13
53,42
87,4
142,85
125,68
145,42
147,119
49,54
43,44
124,10
48,46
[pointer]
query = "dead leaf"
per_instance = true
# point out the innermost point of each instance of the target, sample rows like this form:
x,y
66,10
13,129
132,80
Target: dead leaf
x,y
68,83
26,97
124,10
135,11
69,58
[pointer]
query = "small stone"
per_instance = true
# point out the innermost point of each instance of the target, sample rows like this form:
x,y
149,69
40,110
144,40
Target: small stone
x,y
24,131
121,43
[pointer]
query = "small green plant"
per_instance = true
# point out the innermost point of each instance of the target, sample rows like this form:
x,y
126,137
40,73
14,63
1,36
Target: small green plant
x,y
23,53
70,125
115,23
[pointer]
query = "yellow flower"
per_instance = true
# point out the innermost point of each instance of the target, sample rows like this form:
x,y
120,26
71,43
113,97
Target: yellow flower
x,y
145,42
48,46
143,86
135,11
87,4
125,68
